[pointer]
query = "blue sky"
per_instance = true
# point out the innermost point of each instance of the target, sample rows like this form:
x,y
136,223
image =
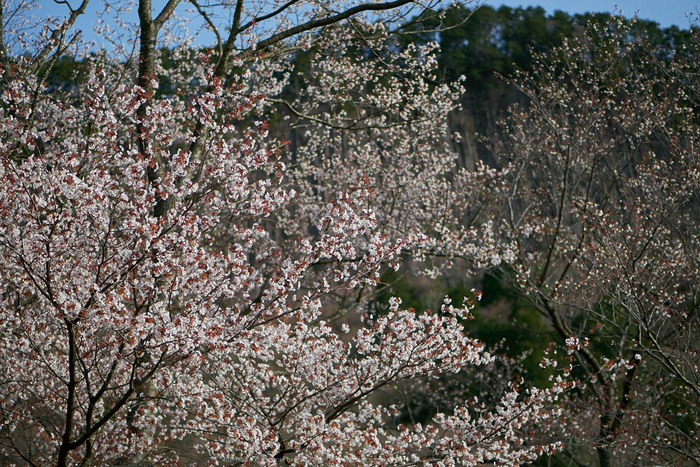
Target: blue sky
x,y
664,12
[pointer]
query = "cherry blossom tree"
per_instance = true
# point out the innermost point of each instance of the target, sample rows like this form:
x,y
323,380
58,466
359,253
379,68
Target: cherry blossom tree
x,y
179,286
601,212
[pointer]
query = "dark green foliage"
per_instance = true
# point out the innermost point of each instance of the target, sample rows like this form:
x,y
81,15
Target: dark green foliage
x,y
518,326
485,42
502,319
63,75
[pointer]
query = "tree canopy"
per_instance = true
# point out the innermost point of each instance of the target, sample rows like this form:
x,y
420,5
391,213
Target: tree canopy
x,y
227,255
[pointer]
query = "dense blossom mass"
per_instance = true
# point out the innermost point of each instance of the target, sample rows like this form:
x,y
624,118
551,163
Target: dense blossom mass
x,y
194,241
180,285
